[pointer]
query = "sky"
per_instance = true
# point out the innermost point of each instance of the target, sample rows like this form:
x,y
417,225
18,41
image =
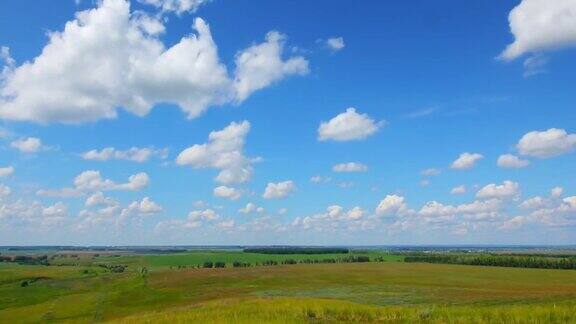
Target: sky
x,y
200,122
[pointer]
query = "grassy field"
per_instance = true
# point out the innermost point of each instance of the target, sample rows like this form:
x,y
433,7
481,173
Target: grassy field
x,y
361,292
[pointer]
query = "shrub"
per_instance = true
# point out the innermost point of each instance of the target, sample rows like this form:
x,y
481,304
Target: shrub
x,y
208,264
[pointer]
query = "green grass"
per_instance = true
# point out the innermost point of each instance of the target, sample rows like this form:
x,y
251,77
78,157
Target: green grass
x,y
284,310
198,258
360,292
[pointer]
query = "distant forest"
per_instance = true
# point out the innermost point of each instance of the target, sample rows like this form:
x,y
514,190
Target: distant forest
x,y
297,250
496,260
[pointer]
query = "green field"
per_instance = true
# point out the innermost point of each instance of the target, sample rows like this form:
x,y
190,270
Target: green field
x,y
391,291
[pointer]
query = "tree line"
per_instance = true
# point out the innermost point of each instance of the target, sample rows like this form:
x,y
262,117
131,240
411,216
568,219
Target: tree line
x,y
514,261
25,259
297,250
239,264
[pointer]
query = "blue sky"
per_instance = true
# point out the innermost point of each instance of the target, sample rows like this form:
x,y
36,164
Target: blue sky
x,y
233,119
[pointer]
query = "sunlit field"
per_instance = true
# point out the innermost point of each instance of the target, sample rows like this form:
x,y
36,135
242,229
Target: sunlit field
x,y
154,289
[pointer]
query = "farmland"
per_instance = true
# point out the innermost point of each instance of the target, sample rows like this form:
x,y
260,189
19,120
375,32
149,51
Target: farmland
x,y
170,287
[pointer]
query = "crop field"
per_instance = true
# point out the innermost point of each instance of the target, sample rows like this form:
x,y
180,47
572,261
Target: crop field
x,y
172,288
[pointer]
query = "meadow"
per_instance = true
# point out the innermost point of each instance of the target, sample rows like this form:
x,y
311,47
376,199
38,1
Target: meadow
x,y
174,288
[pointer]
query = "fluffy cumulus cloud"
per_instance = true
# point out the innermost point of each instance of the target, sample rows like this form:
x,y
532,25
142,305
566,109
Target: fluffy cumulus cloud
x,y
511,161
227,192
134,154
554,211
224,151
279,190
391,205
261,65
335,44
457,217
144,207
335,217
251,208
28,145
508,189
98,199
91,181
546,144
177,6
466,161
541,25
32,216
458,190
109,57
6,171
348,126
58,210
350,167
203,215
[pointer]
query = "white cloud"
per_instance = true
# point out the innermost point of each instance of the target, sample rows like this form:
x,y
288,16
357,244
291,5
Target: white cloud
x,y
507,189
436,209
540,202
350,167
59,193
58,210
355,213
511,161
333,218
348,126
335,44
251,208
261,65
6,171
279,190
203,215
144,207
458,190
92,181
546,144
541,25
481,209
320,179
431,172
109,58
390,205
224,151
513,223
534,203
4,190
195,219
458,216
535,65
28,145
568,205
134,154
98,199
6,58
466,161
226,224
421,113
227,192
177,6
556,192
346,184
